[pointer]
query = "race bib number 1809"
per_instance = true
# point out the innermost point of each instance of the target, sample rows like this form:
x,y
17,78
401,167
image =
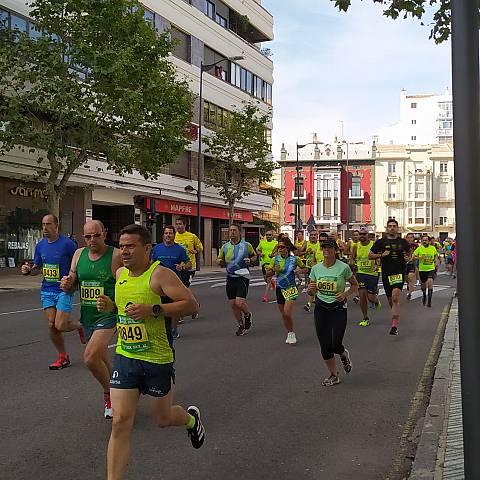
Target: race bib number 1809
x,y
90,291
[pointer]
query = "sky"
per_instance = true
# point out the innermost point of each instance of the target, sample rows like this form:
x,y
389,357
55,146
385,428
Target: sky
x,y
332,67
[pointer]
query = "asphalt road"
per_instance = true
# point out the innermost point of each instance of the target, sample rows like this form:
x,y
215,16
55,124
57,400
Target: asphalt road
x,y
266,413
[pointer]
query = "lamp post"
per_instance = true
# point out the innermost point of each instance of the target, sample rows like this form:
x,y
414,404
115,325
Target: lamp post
x,y
298,220
204,68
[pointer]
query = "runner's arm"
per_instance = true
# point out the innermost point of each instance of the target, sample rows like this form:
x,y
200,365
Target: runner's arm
x,y
197,244
69,283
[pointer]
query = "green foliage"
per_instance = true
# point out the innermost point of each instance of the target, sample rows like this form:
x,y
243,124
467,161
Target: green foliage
x,y
241,155
416,9
98,84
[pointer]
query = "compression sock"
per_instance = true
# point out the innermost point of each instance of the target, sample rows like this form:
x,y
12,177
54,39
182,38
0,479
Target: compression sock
x,y
430,293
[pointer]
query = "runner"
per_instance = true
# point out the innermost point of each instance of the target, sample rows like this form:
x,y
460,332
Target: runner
x,y
367,275
284,266
192,244
53,256
392,250
351,245
311,252
144,357
174,257
237,255
410,270
428,258
265,249
328,281
300,247
93,268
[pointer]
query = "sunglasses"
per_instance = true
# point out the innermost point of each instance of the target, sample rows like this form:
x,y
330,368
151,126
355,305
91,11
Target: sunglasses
x,y
94,235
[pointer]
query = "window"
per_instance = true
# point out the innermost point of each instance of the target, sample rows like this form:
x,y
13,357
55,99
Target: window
x,y
327,207
33,32
356,190
419,189
413,105
249,82
243,79
414,122
419,213
149,17
268,137
391,168
391,191
222,21
299,187
418,167
413,137
210,9
443,167
18,23
442,191
356,212
214,116
182,44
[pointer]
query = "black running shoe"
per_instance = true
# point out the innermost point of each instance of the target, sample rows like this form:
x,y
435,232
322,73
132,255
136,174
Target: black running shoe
x,y
429,305
409,296
424,301
241,330
247,320
197,433
394,331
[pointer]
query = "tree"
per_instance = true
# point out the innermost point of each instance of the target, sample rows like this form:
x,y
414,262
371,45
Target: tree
x,y
241,155
92,80
416,9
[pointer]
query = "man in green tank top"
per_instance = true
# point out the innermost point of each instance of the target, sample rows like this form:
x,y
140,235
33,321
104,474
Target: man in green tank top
x,y
93,269
144,357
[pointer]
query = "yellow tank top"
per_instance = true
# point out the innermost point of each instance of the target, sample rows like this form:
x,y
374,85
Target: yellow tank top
x,y
147,339
364,265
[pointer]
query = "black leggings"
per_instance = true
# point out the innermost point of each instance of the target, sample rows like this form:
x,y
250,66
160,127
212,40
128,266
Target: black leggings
x,y
330,326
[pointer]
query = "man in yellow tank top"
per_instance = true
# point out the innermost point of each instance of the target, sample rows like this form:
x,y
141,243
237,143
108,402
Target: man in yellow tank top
x,y
144,357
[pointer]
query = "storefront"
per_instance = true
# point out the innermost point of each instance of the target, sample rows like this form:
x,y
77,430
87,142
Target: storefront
x,y
214,222
22,206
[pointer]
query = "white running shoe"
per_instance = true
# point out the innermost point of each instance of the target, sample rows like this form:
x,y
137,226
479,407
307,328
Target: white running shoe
x,y
291,338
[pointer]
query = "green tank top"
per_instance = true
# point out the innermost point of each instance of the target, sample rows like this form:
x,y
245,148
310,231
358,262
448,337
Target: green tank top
x,y
310,257
95,278
364,265
147,339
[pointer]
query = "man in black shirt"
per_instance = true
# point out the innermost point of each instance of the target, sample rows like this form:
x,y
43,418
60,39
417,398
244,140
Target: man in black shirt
x,y
392,250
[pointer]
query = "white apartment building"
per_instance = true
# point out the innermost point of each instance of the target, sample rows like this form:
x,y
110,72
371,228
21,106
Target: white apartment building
x,y
207,31
424,119
415,185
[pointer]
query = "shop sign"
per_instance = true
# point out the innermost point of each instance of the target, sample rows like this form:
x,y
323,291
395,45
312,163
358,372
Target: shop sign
x,y
17,245
28,192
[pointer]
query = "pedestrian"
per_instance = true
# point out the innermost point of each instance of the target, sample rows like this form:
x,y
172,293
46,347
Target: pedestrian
x,y
174,257
284,266
328,282
93,269
144,359
237,255
53,257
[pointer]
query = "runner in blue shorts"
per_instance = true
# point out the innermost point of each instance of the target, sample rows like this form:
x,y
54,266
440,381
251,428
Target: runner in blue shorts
x,y
53,256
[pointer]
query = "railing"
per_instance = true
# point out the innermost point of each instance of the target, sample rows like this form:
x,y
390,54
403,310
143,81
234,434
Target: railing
x,y
355,194
393,197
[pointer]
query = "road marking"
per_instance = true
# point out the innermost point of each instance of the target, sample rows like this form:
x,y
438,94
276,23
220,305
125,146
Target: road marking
x,y
30,310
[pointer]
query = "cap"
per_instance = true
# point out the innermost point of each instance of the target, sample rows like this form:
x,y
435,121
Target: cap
x,y
329,244
363,230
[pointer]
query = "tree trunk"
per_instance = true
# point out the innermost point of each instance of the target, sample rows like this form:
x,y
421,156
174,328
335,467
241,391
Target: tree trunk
x,y
53,200
231,213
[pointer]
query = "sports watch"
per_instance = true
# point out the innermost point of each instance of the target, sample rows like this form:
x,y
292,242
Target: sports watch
x,y
156,310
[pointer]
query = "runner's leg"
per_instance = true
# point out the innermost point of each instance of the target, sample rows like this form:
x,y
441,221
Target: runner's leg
x,y
95,357
55,335
124,403
63,322
167,415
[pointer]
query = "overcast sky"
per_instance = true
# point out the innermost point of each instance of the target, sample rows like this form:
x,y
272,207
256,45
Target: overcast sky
x,y
332,66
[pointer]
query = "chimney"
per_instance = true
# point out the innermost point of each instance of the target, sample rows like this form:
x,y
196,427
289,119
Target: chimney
x,y
316,153
283,153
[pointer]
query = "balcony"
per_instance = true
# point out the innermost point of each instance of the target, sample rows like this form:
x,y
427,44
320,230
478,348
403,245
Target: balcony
x,y
393,198
355,194
449,198
444,223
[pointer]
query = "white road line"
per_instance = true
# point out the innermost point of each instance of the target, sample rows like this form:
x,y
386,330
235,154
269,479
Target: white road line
x,y
26,311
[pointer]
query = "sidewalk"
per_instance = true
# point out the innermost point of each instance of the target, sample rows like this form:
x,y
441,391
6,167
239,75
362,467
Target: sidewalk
x,y
16,281
439,453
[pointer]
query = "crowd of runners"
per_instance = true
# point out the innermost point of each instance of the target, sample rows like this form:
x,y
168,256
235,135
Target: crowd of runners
x,y
141,293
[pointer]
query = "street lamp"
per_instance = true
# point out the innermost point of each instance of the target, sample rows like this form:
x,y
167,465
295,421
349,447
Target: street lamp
x,y
298,220
204,68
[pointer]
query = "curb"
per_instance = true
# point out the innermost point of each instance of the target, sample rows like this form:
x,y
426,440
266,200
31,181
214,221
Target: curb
x,y
432,438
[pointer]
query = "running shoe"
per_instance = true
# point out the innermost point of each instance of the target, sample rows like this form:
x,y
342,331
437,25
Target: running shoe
x,y
378,306
424,300
180,320
331,380
429,305
291,338
81,334
247,320
62,361
364,323
306,307
197,432
347,363
241,330
175,334
194,316
108,412
418,283
264,299
356,299
409,296
394,331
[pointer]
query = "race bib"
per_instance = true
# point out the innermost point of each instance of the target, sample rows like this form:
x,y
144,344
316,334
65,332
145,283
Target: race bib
x,y
327,287
290,294
367,265
133,335
392,279
427,260
51,272
90,291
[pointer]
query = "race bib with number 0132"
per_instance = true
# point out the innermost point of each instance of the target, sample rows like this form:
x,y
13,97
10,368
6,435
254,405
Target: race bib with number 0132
x,y
90,291
51,272
133,335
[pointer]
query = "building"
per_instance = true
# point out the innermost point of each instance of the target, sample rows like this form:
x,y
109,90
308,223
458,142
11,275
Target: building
x,y
415,185
424,120
335,188
206,31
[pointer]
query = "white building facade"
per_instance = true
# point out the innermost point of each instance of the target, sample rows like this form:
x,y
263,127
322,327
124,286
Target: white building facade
x,y
207,31
415,186
424,119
